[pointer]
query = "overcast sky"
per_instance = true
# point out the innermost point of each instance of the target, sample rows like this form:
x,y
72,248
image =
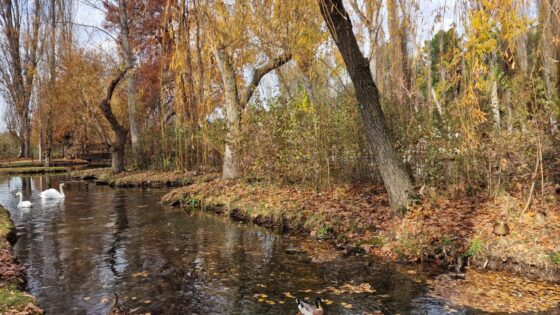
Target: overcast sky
x,y
89,36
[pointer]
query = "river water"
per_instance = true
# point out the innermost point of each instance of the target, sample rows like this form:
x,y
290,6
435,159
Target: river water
x,y
160,260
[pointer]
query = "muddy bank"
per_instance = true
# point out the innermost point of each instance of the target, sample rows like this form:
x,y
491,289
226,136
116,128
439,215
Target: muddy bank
x,y
13,298
357,218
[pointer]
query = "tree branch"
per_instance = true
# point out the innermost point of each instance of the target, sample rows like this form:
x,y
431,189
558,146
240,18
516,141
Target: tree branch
x,y
105,104
261,72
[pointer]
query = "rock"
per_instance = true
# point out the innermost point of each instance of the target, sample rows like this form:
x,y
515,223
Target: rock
x,y
313,234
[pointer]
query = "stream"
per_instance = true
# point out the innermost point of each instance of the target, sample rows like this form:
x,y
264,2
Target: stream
x,y
157,259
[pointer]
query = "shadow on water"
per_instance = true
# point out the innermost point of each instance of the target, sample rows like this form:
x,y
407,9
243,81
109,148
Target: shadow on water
x,y
100,241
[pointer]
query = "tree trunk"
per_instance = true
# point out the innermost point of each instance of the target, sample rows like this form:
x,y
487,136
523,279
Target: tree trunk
x,y
117,151
230,166
394,175
398,53
131,88
495,103
549,53
118,145
51,95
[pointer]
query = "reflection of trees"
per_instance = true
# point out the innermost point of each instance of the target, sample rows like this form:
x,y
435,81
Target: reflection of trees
x,y
26,187
115,253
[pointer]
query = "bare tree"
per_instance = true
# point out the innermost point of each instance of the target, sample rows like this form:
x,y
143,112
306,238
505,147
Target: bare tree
x,y
20,50
131,88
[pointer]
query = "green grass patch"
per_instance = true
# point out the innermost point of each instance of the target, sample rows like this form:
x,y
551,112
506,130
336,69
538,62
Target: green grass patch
x,y
13,299
475,247
323,231
32,170
555,258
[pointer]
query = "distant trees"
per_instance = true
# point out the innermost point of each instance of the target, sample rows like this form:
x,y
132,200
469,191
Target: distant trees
x,y
258,89
20,52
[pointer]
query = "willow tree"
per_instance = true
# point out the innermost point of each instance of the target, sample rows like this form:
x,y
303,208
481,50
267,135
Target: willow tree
x,y
256,36
395,178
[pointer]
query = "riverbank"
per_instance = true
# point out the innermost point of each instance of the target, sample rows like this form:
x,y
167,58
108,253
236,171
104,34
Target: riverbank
x,y
154,179
358,219
13,299
32,170
36,163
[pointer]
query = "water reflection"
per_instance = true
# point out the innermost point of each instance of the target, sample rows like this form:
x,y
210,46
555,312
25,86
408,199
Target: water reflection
x,y
100,241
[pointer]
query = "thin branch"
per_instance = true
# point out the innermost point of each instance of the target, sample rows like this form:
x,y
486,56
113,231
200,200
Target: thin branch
x,y
261,72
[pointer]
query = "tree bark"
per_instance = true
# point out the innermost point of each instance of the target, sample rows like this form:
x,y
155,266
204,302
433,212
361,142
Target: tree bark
x,y
118,145
52,86
394,175
399,75
131,88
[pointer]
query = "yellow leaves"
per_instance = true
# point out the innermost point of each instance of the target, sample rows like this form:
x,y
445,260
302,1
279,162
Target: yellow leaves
x,y
349,288
346,305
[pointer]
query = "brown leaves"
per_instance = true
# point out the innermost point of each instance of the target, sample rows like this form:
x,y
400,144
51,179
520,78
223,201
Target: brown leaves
x,y
496,292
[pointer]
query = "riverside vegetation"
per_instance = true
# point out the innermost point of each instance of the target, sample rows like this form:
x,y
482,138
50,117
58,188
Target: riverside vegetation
x,y
405,129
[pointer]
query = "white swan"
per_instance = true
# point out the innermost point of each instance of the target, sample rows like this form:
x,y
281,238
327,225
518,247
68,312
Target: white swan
x,y
23,204
53,193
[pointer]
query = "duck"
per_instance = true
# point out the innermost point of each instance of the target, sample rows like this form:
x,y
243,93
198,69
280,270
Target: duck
x,y
307,308
53,193
23,204
501,228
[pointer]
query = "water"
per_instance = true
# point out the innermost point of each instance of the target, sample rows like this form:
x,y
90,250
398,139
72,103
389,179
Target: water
x,y
100,241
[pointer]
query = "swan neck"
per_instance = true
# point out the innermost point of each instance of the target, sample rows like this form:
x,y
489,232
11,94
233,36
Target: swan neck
x,y
61,189
20,198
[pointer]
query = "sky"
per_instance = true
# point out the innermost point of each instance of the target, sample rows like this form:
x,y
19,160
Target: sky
x,y
88,18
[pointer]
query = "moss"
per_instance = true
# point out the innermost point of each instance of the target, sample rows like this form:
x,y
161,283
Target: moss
x,y
32,170
13,299
5,223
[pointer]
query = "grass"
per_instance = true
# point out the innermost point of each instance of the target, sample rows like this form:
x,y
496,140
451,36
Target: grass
x,y
555,258
475,247
13,299
32,170
136,178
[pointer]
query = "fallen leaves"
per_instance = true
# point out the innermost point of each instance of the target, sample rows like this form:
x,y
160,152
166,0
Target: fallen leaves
x,y
496,292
